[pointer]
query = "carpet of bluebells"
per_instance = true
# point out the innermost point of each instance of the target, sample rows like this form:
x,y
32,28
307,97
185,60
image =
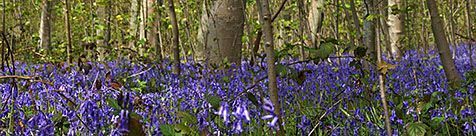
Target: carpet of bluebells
x,y
332,97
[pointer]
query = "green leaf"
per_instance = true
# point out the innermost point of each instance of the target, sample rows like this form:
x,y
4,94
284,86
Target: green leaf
x,y
214,101
252,98
417,129
167,130
281,70
184,129
187,118
325,50
113,103
226,79
438,120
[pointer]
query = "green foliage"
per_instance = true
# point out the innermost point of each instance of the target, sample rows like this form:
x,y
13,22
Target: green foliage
x,y
417,129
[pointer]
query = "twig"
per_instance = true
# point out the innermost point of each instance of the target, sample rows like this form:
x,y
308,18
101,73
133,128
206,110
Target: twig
x,y
248,88
142,72
466,37
322,116
279,10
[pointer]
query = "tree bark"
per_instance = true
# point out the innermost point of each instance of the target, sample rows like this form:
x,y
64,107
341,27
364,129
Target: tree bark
x,y
369,30
356,22
265,17
315,18
221,30
395,27
303,28
175,39
469,23
442,44
142,26
133,23
45,25
153,24
69,46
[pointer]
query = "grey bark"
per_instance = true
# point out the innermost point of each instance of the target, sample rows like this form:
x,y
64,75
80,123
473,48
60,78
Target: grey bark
x,y
221,31
69,46
469,23
315,18
45,25
265,19
395,27
175,39
442,44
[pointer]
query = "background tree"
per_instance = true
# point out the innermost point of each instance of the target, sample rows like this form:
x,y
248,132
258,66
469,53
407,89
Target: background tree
x,y
175,41
45,25
223,31
442,45
395,24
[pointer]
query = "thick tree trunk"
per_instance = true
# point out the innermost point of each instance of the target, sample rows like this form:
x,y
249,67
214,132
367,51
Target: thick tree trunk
x,y
315,18
175,39
395,24
45,25
442,45
265,17
222,31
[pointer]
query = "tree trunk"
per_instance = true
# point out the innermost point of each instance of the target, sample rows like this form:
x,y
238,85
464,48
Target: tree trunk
x,y
395,27
265,17
303,28
133,23
153,24
316,17
469,23
45,25
69,46
223,31
175,39
442,45
356,22
384,29
381,77
369,30
142,26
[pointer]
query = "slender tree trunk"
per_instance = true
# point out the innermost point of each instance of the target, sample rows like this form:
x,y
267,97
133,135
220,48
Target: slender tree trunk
x,y
395,24
356,22
442,44
265,17
381,77
100,33
153,24
175,39
303,28
315,18
142,26
69,46
469,23
45,25
133,23
384,29
369,30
